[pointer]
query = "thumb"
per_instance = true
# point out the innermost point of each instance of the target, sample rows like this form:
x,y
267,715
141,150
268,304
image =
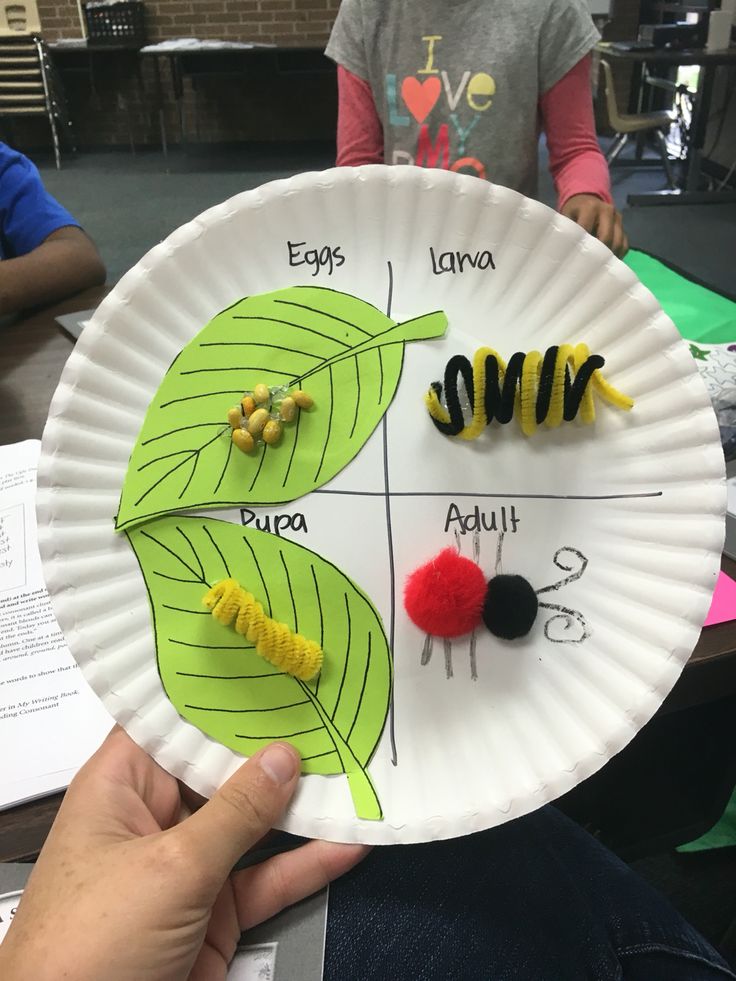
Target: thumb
x,y
242,811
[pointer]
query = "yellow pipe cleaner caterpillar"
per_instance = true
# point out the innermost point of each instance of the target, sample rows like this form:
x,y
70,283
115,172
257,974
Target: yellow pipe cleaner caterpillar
x,y
274,641
539,389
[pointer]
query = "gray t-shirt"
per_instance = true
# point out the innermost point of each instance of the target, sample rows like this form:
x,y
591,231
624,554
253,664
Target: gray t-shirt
x,y
457,82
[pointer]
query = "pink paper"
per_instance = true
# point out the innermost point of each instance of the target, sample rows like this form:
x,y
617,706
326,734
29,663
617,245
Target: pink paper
x,y
723,607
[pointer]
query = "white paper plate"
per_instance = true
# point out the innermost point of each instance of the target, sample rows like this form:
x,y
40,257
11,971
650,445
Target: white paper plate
x,y
641,494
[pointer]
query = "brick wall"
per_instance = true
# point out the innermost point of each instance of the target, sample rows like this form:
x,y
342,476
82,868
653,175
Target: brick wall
x,y
307,21
116,101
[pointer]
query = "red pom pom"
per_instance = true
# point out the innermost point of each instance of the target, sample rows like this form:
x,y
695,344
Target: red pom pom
x,y
445,597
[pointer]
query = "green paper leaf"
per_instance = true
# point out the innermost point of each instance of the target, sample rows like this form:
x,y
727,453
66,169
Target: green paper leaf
x,y
343,351
214,677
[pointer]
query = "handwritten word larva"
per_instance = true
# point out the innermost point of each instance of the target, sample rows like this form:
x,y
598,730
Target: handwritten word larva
x,y
460,262
275,524
326,257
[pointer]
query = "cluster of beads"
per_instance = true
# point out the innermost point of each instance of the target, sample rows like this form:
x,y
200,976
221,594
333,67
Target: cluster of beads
x,y
261,414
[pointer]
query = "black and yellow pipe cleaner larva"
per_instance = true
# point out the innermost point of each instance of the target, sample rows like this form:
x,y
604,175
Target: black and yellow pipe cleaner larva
x,y
274,641
537,389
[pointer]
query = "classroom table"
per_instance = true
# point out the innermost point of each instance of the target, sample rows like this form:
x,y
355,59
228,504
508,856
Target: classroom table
x,y
32,356
709,62
226,59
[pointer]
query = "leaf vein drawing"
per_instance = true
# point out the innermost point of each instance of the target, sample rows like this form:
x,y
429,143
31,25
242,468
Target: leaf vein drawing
x,y
345,665
282,323
230,677
323,313
199,395
179,429
286,372
357,397
329,428
241,711
261,344
280,735
220,684
338,347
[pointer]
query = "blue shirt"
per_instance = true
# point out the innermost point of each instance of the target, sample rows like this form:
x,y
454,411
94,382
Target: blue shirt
x,y
28,213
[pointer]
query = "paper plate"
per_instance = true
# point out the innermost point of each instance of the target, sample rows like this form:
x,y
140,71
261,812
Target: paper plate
x,y
475,737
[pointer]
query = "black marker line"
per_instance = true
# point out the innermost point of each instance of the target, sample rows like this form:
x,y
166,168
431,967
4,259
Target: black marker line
x,y
319,607
357,400
202,395
323,313
515,497
166,456
194,552
276,708
283,323
245,367
161,575
286,735
258,569
207,532
321,623
174,469
365,682
211,647
346,661
329,427
181,429
196,613
323,717
195,464
227,464
275,347
390,541
291,591
293,448
260,467
318,756
380,368
172,553
230,677
345,356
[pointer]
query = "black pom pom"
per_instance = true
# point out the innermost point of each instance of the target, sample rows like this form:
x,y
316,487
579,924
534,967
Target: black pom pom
x,y
510,607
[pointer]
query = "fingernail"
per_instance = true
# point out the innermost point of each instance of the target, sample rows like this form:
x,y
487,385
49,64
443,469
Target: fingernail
x,y
279,762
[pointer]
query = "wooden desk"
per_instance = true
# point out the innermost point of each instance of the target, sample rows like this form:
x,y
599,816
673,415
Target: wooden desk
x,y
33,351
709,61
32,355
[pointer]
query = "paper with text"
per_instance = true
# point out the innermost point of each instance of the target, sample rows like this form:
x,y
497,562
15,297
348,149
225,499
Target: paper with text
x,y
50,720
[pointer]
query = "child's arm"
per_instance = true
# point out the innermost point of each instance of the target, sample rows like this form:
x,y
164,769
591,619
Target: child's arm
x,y
359,130
66,262
578,167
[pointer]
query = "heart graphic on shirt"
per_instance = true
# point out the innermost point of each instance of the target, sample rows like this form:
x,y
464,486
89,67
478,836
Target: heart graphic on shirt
x,y
421,97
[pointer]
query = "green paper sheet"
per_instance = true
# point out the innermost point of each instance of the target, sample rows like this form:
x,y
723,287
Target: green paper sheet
x,y
215,679
721,835
699,313
343,351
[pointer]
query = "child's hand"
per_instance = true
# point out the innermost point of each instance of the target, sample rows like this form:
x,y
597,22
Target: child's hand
x,y
132,886
601,220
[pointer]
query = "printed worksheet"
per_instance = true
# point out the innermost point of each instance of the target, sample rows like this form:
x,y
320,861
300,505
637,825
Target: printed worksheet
x,y
50,720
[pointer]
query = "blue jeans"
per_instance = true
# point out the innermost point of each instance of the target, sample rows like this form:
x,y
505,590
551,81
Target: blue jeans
x,y
534,900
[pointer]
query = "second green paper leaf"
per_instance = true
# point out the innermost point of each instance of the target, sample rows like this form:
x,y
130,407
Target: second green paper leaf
x,y
217,681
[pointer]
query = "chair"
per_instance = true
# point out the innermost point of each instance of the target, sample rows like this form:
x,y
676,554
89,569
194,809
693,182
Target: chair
x,y
656,123
28,82
19,17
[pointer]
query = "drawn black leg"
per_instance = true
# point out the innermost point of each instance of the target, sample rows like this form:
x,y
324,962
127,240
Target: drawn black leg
x,y
448,657
473,637
427,650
